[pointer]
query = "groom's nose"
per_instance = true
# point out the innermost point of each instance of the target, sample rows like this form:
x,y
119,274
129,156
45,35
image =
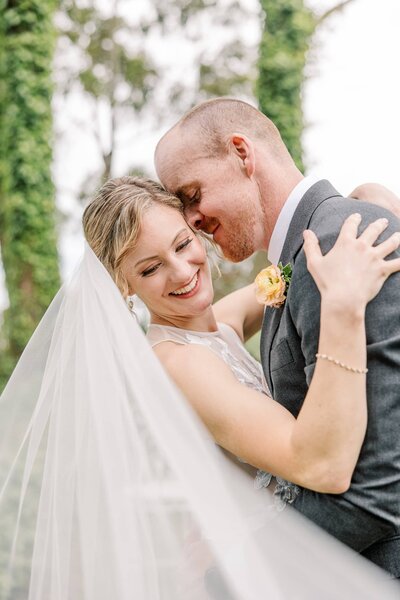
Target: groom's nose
x,y
197,220
194,217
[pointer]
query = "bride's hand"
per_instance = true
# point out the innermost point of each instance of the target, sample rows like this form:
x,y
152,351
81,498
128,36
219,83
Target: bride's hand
x,y
354,270
377,194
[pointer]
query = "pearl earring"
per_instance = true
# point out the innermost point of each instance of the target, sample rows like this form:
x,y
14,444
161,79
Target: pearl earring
x,y
131,305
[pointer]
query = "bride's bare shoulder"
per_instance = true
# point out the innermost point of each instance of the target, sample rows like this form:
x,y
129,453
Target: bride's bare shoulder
x,y
188,360
168,348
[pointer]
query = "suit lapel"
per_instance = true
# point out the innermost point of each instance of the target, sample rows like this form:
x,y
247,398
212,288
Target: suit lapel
x,y
318,193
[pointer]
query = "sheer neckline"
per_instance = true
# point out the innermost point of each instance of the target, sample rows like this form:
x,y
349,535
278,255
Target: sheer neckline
x,y
192,331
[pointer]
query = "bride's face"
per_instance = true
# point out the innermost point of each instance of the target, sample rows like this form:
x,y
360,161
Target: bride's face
x,y
169,269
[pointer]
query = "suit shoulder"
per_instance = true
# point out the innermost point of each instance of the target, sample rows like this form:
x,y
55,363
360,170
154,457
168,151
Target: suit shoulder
x,y
327,221
330,215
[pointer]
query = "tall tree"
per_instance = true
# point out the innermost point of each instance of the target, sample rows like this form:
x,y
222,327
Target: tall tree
x,y
289,25
27,209
288,29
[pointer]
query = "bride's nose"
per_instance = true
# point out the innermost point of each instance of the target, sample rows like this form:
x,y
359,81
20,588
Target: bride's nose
x,y
181,272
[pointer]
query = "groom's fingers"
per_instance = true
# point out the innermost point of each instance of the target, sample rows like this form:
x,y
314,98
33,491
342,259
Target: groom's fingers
x,y
389,245
373,231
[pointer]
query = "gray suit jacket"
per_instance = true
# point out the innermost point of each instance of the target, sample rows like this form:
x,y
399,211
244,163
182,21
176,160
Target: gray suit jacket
x,y
367,516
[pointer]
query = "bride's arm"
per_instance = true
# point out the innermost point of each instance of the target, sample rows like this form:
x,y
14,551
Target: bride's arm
x,y
319,450
240,310
377,194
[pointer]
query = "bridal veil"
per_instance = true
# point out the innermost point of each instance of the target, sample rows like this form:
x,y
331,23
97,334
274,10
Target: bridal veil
x,y
111,489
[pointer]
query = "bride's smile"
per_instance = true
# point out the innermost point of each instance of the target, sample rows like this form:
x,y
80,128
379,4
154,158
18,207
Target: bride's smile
x,y
188,290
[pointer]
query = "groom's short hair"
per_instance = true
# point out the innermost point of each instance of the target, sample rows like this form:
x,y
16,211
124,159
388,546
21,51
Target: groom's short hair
x,y
213,121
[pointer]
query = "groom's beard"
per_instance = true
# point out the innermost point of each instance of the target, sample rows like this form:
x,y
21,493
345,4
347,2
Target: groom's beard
x,y
237,240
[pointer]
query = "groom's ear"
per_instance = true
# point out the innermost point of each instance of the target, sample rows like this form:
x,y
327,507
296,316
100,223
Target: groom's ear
x,y
244,148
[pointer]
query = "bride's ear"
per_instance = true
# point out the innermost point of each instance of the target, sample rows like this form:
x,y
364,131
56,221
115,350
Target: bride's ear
x,y
244,149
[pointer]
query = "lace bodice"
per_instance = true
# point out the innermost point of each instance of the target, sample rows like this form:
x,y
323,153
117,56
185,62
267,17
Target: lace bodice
x,y
227,345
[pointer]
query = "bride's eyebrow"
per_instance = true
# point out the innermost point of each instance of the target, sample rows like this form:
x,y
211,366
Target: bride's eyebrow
x,y
155,256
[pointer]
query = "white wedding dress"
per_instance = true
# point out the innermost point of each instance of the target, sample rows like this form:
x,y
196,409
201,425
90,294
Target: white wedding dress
x,y
226,344
111,488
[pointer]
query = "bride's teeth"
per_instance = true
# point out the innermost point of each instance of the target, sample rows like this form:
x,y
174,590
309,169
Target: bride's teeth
x,y
186,289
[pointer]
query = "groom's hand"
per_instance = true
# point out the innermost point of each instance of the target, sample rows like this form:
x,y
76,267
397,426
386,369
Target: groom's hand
x,y
377,194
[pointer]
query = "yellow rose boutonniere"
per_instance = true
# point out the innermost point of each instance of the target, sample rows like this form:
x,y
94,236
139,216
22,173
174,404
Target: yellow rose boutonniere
x,y
271,285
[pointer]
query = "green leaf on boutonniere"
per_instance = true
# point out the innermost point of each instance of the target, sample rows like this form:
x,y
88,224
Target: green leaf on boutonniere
x,y
286,272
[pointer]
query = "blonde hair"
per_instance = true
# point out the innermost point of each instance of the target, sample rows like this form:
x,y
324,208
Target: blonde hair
x,y
112,220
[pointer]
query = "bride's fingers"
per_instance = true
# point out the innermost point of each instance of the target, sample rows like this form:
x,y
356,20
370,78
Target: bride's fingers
x,y
311,247
350,227
392,266
373,231
311,244
388,246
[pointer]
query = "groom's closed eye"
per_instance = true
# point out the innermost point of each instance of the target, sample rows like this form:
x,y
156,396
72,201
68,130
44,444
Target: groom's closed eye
x,y
188,198
195,197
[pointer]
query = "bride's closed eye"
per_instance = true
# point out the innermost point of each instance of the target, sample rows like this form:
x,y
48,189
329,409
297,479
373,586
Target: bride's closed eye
x,y
154,268
150,270
184,244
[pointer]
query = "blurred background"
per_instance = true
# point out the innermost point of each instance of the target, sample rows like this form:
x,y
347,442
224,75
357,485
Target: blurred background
x,y
87,87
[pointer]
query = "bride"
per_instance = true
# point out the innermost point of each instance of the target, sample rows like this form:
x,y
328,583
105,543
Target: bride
x,y
110,488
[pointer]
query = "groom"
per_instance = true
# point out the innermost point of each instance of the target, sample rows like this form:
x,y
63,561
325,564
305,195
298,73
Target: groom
x,y
237,181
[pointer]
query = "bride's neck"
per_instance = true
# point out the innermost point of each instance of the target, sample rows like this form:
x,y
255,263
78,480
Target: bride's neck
x,y
204,322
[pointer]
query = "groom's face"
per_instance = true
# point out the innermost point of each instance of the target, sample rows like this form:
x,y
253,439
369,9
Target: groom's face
x,y
218,198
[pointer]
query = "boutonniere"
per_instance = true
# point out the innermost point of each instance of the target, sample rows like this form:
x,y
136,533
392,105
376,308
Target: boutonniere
x,y
272,284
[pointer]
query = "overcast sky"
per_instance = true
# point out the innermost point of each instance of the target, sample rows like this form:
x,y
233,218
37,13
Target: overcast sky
x,y
352,103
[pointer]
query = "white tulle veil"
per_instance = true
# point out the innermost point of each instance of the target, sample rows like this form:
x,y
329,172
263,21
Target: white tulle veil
x,y
111,489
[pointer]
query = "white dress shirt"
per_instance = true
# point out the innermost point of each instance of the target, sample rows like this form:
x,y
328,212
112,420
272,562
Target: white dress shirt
x,y
285,216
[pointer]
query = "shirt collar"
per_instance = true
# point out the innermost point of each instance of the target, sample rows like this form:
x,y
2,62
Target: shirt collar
x,y
285,216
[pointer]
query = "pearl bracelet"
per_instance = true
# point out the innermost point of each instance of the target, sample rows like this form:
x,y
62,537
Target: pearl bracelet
x,y
340,364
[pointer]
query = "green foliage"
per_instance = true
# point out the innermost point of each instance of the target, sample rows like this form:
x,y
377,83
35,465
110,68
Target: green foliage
x,y
107,62
27,214
222,77
288,28
286,272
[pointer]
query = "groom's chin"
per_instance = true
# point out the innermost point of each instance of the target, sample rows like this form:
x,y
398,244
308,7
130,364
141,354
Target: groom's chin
x,y
235,255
